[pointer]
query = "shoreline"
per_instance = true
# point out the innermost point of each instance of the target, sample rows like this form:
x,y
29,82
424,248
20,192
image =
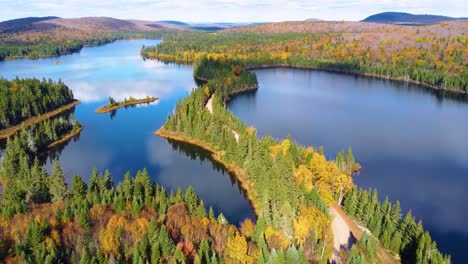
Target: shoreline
x,y
239,92
75,51
106,108
348,72
360,74
66,138
5,133
237,172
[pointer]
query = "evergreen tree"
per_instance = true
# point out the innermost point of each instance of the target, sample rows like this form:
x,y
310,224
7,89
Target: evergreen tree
x,y
350,160
78,190
58,186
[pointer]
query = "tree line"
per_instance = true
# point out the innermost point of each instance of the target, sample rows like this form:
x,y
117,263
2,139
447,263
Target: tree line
x,y
12,47
434,61
403,236
291,186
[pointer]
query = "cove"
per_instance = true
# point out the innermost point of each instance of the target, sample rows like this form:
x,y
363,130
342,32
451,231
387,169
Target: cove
x,y
412,142
126,141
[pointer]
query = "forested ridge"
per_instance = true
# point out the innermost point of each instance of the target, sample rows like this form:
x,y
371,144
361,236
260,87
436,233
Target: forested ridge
x,y
435,56
59,41
290,186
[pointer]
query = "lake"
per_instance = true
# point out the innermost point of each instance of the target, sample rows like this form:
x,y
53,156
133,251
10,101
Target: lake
x,y
411,142
126,141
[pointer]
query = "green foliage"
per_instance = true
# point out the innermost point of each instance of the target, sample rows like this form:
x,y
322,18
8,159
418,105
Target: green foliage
x,y
58,186
402,236
21,99
47,45
329,51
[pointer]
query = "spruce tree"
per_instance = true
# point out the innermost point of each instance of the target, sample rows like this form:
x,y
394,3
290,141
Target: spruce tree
x,y
58,186
78,190
350,160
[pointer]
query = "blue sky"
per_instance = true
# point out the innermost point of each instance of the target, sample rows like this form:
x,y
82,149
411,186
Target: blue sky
x,y
227,10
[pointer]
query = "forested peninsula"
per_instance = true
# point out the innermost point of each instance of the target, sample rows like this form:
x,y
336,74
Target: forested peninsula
x,y
39,110
290,187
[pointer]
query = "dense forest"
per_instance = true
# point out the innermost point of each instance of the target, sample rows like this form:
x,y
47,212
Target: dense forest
x,y
401,235
21,99
45,45
44,221
290,187
434,56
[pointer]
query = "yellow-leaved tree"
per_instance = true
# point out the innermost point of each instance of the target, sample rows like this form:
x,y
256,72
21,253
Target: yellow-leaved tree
x,y
236,249
310,219
109,236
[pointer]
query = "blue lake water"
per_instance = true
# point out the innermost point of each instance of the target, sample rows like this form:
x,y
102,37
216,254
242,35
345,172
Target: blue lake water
x,y
412,142
127,141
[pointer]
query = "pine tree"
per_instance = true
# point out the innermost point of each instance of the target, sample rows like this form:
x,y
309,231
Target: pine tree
x,y
58,186
351,202
38,191
191,200
109,182
83,220
211,214
78,190
166,243
201,211
155,253
126,186
350,160
395,213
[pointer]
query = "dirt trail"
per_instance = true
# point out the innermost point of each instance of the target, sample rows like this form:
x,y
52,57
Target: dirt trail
x,y
236,135
342,225
209,106
342,236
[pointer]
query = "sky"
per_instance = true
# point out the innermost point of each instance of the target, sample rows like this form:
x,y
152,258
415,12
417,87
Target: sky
x,y
228,10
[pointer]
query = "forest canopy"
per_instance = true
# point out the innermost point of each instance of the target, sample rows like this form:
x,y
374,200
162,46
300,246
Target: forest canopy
x,y
21,99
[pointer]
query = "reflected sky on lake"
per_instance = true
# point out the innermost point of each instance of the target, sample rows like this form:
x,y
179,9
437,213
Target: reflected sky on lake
x,y
87,72
126,141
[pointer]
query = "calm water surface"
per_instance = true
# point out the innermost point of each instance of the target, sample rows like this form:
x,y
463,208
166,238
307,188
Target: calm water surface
x,y
127,142
413,145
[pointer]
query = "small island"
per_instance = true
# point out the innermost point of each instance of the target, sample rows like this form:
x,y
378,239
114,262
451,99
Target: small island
x,y
114,105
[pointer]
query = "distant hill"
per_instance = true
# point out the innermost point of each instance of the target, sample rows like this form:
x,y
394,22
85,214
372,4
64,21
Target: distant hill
x,y
21,24
94,23
408,19
105,24
85,23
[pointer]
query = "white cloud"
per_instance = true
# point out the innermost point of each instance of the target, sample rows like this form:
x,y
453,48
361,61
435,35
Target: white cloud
x,y
227,10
